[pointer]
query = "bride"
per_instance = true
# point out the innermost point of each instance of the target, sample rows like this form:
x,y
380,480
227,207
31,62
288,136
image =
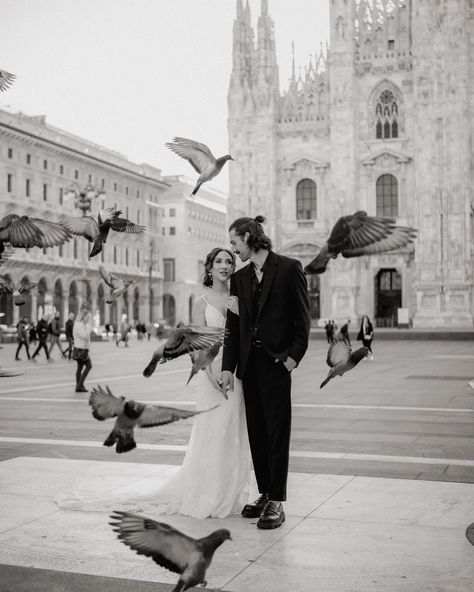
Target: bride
x,y
213,480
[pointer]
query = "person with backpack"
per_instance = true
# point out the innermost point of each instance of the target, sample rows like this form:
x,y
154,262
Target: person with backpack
x,y
22,329
54,329
42,333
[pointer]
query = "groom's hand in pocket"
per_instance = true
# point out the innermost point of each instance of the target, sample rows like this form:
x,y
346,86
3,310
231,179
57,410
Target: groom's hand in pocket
x,y
227,379
290,364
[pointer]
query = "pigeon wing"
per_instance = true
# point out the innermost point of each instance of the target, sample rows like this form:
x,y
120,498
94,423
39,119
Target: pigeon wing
x,y
109,278
85,226
124,225
54,234
399,236
371,230
19,231
184,340
26,287
6,254
338,352
167,546
155,415
6,79
197,154
104,404
339,236
106,214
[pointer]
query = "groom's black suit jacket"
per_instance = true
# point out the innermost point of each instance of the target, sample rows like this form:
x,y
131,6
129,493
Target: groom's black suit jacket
x,y
283,317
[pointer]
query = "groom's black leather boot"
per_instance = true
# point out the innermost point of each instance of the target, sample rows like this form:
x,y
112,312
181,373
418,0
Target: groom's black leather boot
x,y
254,509
272,516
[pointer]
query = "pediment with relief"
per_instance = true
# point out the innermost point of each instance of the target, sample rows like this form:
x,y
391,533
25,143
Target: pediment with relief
x,y
385,154
306,163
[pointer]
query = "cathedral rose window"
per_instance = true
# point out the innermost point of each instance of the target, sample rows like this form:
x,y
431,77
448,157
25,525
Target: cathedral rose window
x,y
386,116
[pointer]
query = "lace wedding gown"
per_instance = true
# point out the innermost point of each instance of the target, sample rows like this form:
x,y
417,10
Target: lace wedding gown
x,y
214,477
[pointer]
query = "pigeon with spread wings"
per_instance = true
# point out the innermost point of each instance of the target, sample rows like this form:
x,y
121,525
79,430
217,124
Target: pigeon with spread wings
x,y
26,232
357,235
130,414
18,290
183,340
6,79
117,286
341,359
200,158
97,231
169,547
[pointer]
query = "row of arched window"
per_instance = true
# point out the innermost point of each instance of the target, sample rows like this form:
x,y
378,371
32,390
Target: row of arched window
x,y
386,198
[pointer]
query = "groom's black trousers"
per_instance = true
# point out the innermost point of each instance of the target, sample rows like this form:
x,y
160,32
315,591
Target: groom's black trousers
x,y
267,394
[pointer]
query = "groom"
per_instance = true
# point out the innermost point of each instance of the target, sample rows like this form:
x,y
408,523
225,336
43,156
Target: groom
x,y
265,341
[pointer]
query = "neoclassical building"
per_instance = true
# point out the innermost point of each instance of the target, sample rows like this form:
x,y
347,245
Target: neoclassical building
x,y
379,120
39,164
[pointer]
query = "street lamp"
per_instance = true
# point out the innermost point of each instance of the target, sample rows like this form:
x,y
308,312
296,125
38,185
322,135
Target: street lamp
x,y
83,198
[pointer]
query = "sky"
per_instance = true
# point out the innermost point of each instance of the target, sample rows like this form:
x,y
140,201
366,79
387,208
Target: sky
x,y
132,74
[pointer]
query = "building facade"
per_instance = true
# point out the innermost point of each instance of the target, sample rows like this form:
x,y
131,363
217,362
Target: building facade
x,y
191,227
42,169
380,120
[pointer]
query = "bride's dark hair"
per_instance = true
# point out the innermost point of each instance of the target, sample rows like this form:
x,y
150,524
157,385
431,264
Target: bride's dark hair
x,y
257,238
207,279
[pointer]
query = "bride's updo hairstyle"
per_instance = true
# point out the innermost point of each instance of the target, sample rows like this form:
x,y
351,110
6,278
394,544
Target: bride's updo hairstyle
x,y
209,263
257,238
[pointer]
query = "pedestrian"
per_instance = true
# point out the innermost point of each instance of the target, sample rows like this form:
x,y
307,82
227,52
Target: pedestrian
x,y
107,329
69,335
33,333
149,329
54,329
82,336
329,328
366,335
22,330
42,331
345,333
266,338
124,330
114,331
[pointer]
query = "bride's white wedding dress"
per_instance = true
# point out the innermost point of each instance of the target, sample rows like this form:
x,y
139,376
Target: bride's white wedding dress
x,y
215,475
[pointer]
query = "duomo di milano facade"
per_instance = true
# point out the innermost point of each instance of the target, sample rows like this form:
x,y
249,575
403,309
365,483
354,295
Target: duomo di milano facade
x,y
381,120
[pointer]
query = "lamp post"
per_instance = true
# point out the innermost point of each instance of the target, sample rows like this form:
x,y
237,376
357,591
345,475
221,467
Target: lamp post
x,y
83,198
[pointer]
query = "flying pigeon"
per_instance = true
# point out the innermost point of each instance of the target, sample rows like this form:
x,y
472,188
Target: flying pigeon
x,y
18,290
97,231
341,359
169,547
130,414
202,358
6,79
200,158
5,253
357,235
183,340
26,232
117,286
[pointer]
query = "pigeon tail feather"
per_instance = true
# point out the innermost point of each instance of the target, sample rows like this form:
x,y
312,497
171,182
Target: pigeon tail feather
x,y
150,368
324,382
193,372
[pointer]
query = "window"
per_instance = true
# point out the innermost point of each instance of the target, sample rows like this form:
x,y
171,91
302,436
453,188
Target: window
x,y
306,200
387,196
138,257
10,153
90,178
163,230
115,186
172,212
168,270
386,116
115,254
9,182
126,190
138,216
61,195
60,250
138,192
28,187
172,230
61,169
28,159
102,183
76,174
45,165
126,212
45,192
74,249
391,44
126,256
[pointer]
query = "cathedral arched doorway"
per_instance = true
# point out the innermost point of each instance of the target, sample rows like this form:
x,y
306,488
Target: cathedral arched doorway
x,y
73,303
136,304
169,308
58,300
114,313
6,306
313,291
388,297
26,309
101,304
41,303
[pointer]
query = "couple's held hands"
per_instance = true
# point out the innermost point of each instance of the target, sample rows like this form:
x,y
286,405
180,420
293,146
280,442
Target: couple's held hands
x,y
227,382
233,304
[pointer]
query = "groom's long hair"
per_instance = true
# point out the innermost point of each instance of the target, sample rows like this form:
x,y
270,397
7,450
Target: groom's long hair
x,y
257,238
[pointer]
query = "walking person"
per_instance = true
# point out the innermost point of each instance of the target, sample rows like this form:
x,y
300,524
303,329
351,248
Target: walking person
x,y
33,334
345,333
55,331
265,341
69,336
42,333
22,330
366,335
82,336
329,328
124,331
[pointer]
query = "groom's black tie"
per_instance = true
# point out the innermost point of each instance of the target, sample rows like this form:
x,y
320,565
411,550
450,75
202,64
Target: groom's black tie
x,y
256,294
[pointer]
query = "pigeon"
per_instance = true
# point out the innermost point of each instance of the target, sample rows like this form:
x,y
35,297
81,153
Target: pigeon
x,y
18,290
169,547
116,285
200,158
183,340
130,414
341,359
97,231
357,235
5,253
10,373
26,232
6,80
202,358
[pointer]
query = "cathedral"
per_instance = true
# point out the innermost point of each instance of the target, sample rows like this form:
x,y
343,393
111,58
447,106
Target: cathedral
x,y
379,120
